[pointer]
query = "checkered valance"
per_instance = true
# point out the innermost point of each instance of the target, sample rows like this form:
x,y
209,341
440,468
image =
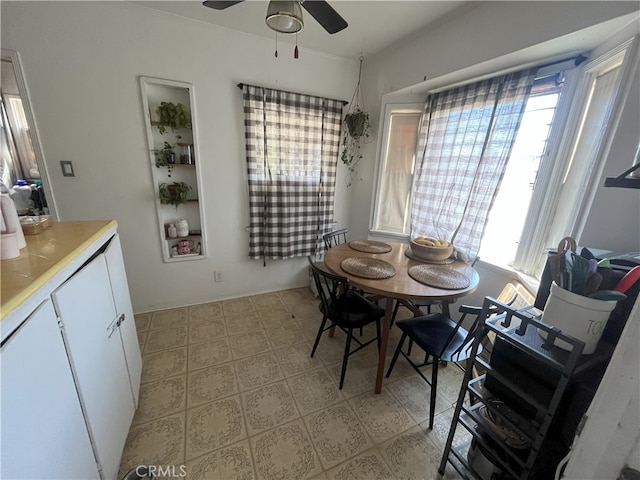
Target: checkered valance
x,y
465,139
292,143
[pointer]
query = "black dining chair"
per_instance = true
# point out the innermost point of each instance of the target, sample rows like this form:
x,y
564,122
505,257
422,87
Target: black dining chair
x,y
442,339
345,308
334,238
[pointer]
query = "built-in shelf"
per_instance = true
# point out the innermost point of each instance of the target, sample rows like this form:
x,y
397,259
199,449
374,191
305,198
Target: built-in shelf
x,y
185,170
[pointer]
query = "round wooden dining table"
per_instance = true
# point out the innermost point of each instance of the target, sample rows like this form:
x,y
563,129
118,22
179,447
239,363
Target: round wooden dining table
x,y
399,287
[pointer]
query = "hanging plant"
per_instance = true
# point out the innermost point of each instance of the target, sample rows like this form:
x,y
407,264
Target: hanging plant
x,y
172,115
356,129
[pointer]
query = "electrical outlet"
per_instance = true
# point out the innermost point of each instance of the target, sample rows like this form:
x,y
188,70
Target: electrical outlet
x,y
217,276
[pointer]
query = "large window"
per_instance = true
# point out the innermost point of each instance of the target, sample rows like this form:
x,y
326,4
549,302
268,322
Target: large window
x,y
551,172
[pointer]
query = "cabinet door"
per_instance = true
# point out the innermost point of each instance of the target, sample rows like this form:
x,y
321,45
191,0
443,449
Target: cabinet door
x,y
85,306
124,311
44,434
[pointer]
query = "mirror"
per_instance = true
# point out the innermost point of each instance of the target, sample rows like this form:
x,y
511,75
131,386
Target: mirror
x,y
22,167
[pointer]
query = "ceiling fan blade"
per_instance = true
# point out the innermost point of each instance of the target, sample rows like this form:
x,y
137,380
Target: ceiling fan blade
x,y
220,4
325,15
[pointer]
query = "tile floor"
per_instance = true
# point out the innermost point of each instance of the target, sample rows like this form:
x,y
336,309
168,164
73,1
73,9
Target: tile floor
x,y
229,391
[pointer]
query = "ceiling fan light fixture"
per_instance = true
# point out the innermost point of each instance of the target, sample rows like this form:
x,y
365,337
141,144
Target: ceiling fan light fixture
x,y
284,16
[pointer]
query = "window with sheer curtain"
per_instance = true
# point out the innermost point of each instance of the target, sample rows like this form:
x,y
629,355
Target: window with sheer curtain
x,y
292,144
464,141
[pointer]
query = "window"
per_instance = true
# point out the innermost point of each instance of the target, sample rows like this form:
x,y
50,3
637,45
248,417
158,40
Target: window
x,y
397,168
560,149
292,144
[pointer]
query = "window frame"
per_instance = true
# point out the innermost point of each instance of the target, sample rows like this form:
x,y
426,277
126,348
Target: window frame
x,y
389,109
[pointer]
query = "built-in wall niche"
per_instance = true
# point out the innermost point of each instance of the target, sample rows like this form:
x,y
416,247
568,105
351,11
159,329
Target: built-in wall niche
x,y
173,155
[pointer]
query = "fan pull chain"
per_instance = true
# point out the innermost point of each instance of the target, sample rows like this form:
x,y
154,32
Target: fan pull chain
x,y
276,55
295,51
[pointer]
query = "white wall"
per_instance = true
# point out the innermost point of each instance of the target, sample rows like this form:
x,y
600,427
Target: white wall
x,y
82,61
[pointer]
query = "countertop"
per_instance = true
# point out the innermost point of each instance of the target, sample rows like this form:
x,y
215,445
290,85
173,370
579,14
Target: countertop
x,y
44,256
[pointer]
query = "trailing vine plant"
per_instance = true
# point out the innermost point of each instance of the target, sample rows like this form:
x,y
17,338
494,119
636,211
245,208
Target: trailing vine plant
x,y
356,129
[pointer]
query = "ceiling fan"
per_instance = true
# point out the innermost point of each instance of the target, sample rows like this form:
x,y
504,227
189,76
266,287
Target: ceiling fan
x,y
286,16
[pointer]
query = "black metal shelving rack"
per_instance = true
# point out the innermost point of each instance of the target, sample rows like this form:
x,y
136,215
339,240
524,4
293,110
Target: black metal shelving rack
x,y
531,427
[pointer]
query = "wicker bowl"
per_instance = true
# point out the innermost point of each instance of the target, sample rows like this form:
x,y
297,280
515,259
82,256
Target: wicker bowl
x,y
433,254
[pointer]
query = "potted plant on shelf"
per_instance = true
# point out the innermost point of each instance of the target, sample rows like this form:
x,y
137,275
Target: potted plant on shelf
x,y
174,193
356,129
166,157
174,116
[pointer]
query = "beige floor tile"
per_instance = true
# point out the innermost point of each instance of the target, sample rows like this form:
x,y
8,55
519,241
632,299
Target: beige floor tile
x,y
242,323
207,354
360,377
296,359
204,330
449,382
337,434
175,317
297,296
213,426
267,301
382,415
211,384
142,321
250,343
441,427
331,349
414,394
228,463
159,442
167,363
257,370
306,311
205,311
314,391
411,455
237,306
167,338
142,339
309,328
367,466
283,336
161,398
275,317
285,453
268,406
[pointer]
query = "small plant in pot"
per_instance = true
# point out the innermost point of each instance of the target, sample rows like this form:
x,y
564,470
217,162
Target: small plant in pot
x,y
172,115
166,157
174,193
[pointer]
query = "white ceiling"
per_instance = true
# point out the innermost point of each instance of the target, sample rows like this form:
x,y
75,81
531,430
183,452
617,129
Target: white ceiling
x,y
373,25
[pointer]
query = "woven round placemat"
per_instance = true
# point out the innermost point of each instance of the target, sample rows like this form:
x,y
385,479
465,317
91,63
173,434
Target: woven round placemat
x,y
446,261
368,267
439,276
370,246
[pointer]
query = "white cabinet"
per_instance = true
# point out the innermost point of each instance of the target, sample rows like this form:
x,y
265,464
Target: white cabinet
x,y
124,311
44,434
85,305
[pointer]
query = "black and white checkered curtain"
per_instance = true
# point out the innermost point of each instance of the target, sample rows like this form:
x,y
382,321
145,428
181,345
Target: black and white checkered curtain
x,y
464,142
292,144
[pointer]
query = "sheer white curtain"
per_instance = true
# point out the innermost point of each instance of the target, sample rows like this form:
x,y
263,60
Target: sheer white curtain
x,y
464,142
